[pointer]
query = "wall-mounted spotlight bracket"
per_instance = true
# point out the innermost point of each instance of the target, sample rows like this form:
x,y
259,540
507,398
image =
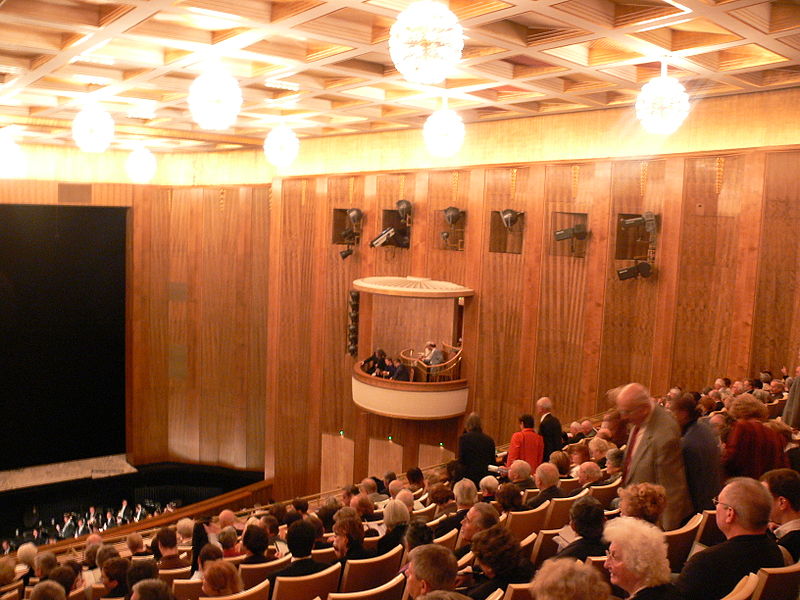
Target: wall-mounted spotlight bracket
x,y
453,237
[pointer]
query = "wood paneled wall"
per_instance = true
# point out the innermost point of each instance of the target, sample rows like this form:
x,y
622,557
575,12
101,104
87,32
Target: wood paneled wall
x,y
238,301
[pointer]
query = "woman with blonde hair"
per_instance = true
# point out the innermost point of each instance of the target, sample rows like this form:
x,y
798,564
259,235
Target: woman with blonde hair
x,y
644,501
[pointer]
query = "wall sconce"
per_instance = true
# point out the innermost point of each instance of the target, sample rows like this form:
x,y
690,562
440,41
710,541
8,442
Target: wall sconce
x,y
509,217
351,235
640,269
453,238
404,210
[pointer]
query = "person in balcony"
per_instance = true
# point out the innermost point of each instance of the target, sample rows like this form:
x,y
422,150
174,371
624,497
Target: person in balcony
x,y
401,372
375,364
432,355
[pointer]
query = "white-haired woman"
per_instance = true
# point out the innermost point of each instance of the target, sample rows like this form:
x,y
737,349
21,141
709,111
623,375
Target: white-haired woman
x,y
395,519
637,559
569,579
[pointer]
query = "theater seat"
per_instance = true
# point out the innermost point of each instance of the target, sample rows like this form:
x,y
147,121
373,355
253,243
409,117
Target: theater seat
x,y
524,522
391,590
544,547
448,540
519,591
170,575
780,583
370,572
307,587
187,589
679,542
252,575
744,589
260,592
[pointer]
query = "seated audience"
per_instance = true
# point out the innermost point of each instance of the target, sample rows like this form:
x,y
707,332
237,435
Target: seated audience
x,y
575,433
479,518
395,519
417,534
525,444
509,497
151,589
7,572
167,541
441,495
586,518
369,488
199,541
185,529
141,570
637,559
326,512
614,458
228,518
466,496
547,480
488,488
364,507
567,579
588,429
784,486
208,553
645,501
589,474
348,541
562,462
751,448
432,355
43,564
597,451
115,577
220,578
519,473
612,429
578,454
66,578
375,363
277,546
743,511
499,556
300,539
431,567
320,540
401,371
416,480
255,543
48,590
228,539
135,544
407,497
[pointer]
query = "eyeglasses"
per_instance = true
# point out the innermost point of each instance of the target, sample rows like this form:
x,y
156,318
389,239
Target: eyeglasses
x,y
717,501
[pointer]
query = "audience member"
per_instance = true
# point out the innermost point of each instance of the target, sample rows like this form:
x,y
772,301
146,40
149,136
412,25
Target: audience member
x,y
479,518
416,481
519,473
637,559
141,570
784,486
500,558
151,589
418,534
589,474
488,488
48,590
348,541
7,573
115,577
476,450
228,539
207,554
700,453
255,543
167,541
509,497
645,501
586,518
567,579
431,567
751,448
185,529
547,480
597,451
614,459
575,434
300,538
369,488
466,496
578,454
220,578
525,444
549,427
199,540
588,429
66,578
561,460
44,563
440,495
136,546
743,511
653,451
364,507
395,519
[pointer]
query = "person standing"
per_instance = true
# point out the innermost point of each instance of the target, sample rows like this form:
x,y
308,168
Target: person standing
x,y
526,444
549,427
476,450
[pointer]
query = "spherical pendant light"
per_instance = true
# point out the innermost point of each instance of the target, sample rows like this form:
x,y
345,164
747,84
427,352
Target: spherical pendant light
x,y
141,165
93,129
13,164
281,146
444,133
215,98
663,104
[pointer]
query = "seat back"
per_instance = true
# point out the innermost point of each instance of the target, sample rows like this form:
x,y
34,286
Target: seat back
x,y
780,583
599,563
391,590
369,573
15,586
78,594
252,575
324,555
11,595
529,494
170,575
524,522
235,560
448,540
519,591
744,589
99,590
496,595
679,542
260,592
527,544
605,493
187,589
371,543
307,587
426,513
466,560
544,547
709,534
569,485
558,514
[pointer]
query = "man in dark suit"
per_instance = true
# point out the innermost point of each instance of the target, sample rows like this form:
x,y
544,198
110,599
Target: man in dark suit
x,y
68,528
476,450
653,452
549,427
124,512
784,485
479,518
743,511
466,496
547,480
300,539
167,541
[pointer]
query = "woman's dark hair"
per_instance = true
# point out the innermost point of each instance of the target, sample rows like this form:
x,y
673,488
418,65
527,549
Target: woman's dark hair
x,y
509,497
588,517
418,534
199,539
498,549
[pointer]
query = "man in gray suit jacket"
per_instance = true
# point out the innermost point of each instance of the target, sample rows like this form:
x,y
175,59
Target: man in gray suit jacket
x,y
653,452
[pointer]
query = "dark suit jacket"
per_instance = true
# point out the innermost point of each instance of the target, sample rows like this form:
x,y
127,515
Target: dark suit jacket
x,y
715,571
173,561
583,548
298,568
701,458
550,430
476,451
450,523
545,495
666,591
391,540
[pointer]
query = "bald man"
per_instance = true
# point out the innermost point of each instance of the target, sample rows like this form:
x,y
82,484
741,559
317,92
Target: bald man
x,y
653,452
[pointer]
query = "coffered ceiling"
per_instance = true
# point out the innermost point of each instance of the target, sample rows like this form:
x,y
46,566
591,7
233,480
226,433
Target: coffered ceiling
x,y
324,67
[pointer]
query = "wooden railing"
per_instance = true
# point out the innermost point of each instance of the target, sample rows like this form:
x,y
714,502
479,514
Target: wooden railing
x,y
445,371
